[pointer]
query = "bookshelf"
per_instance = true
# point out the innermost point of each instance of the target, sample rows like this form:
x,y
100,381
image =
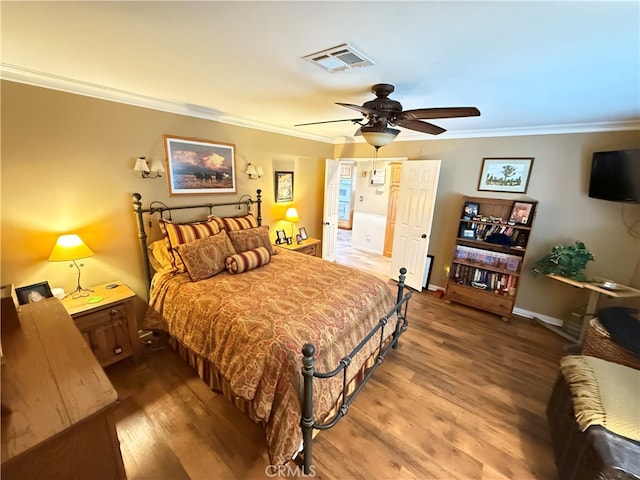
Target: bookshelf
x,y
490,246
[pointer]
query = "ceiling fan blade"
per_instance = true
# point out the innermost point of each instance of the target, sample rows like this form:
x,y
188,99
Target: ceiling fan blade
x,y
354,120
421,126
364,110
444,112
358,132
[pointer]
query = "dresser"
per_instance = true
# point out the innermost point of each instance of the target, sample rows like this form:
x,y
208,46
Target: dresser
x,y
57,402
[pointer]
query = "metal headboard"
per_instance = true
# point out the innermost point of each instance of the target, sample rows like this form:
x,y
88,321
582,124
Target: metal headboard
x,y
160,208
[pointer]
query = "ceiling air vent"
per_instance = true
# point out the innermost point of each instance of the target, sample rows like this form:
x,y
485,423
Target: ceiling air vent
x,y
340,58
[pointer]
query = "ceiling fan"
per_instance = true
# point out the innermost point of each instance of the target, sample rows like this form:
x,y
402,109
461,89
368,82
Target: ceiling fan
x,y
383,112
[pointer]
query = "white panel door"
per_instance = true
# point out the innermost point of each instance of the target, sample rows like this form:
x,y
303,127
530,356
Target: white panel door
x,y
416,201
330,214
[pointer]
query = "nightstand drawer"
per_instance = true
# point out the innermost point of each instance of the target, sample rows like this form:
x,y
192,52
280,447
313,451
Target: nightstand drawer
x,y
310,250
107,316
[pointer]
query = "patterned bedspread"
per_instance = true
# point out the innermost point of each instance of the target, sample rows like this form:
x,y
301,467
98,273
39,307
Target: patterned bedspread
x,y
252,326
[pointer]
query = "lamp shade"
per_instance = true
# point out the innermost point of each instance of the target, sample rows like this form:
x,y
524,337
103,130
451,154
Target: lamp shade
x,y
69,247
379,137
292,215
141,165
156,166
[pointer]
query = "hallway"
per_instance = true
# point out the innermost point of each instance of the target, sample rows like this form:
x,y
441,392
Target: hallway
x,y
378,265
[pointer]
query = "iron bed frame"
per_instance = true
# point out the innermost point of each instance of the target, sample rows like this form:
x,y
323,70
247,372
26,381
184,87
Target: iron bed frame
x,y
308,371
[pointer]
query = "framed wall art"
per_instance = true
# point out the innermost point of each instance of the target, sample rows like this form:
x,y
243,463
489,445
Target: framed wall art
x,y
284,186
199,166
505,174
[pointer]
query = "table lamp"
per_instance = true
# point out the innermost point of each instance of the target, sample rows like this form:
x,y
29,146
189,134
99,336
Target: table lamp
x,y
69,248
292,216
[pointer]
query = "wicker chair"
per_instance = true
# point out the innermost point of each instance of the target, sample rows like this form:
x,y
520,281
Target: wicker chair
x,y
598,343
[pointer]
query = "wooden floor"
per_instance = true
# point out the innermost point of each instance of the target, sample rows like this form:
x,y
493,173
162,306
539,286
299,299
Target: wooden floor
x,y
462,398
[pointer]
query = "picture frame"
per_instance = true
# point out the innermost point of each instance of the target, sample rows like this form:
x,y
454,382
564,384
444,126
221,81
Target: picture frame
x,y
283,186
198,167
281,236
298,238
33,293
470,210
427,271
505,174
289,241
522,213
303,233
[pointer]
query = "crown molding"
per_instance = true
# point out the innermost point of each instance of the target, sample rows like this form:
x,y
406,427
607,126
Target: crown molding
x,y
56,82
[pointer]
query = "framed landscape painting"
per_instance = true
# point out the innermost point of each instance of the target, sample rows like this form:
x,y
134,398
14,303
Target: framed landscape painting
x,y
505,174
199,166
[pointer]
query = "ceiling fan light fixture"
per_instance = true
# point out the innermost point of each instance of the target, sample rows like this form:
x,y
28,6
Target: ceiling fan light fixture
x,y
379,137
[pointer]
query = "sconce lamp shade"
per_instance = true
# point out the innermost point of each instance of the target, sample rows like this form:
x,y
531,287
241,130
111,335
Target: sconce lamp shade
x,y
68,248
292,215
379,137
141,165
254,171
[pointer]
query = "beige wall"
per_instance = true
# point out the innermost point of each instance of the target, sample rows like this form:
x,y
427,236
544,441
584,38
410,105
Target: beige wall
x,y
67,167
559,181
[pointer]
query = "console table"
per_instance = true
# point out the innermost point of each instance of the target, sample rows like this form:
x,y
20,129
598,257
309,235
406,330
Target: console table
x,y
596,288
56,401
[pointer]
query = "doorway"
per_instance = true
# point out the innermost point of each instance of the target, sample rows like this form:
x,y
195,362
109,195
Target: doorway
x,y
373,263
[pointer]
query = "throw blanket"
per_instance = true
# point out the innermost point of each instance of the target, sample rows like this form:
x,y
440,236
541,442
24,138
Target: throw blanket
x,y
604,393
252,326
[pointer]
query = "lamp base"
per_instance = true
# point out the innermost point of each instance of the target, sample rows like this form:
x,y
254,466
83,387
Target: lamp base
x,y
79,292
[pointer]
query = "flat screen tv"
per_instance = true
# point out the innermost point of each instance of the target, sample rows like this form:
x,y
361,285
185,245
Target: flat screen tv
x,y
615,176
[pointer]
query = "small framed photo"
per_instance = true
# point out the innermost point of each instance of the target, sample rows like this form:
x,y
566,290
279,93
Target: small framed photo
x,y
281,236
470,210
303,233
505,174
522,213
289,241
298,238
468,233
33,293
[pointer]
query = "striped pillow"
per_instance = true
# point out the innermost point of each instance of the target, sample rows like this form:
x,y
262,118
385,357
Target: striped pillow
x,y
245,261
240,223
181,233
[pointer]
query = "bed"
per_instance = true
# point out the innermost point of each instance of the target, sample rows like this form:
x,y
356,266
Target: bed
x,y
290,339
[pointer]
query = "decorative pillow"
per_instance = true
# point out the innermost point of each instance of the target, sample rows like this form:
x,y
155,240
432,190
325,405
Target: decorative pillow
x,y
251,238
245,261
205,257
161,258
179,233
239,223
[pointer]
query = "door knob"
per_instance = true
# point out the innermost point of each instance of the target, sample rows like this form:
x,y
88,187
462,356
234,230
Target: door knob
x,y
424,235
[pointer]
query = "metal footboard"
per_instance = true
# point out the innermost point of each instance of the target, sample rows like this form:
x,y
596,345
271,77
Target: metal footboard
x,y
309,373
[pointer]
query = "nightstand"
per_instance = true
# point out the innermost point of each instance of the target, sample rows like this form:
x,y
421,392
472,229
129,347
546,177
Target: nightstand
x,y
109,326
310,246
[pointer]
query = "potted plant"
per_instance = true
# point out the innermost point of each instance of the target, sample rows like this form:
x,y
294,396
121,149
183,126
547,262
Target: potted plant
x,y
565,260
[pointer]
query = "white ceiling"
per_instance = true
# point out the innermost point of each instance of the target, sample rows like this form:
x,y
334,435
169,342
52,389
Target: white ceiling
x,y
530,67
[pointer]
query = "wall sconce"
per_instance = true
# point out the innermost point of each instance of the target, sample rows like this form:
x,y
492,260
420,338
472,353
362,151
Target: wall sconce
x,y
254,171
143,166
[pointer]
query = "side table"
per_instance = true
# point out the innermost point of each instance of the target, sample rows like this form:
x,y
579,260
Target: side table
x,y
107,321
